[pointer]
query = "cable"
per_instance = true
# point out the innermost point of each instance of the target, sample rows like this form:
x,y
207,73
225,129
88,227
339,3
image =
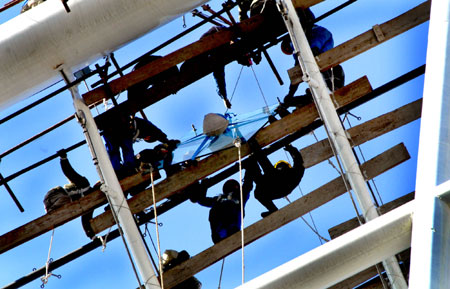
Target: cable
x,y
237,143
157,230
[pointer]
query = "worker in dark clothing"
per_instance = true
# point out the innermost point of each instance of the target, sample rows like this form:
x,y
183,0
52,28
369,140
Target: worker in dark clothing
x,y
206,62
225,212
160,157
320,40
172,258
277,181
77,187
121,133
162,79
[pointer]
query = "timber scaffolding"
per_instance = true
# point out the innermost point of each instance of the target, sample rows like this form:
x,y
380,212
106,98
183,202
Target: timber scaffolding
x,y
273,137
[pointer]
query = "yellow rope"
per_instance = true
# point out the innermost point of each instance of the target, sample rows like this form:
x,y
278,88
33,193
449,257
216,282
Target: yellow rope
x,y
237,143
157,231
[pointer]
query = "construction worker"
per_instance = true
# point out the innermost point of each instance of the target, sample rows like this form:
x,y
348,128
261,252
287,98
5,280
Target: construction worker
x,y
121,133
160,157
320,40
77,187
162,79
225,212
172,258
207,62
279,180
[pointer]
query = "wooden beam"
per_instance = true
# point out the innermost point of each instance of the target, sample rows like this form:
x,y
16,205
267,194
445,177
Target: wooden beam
x,y
289,124
367,40
351,224
296,209
62,215
367,131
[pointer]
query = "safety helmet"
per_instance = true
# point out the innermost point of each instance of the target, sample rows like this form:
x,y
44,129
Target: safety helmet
x,y
230,186
282,164
168,256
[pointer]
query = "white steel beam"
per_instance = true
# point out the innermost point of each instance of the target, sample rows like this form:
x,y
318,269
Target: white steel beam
x,y
344,256
32,44
336,133
112,189
430,245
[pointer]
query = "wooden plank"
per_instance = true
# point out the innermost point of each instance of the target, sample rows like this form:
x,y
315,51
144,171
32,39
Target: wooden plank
x,y
298,208
61,215
367,40
367,131
289,124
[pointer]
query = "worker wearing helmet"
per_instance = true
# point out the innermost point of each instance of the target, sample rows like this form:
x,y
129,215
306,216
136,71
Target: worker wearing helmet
x,y
279,180
225,212
172,258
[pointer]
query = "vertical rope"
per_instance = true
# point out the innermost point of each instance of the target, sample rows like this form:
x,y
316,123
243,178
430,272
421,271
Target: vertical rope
x,y
157,230
237,143
45,278
221,272
259,86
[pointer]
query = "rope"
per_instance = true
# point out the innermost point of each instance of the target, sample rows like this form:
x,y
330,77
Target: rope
x,y
48,274
340,171
237,143
372,180
221,272
314,227
157,230
147,232
235,85
259,86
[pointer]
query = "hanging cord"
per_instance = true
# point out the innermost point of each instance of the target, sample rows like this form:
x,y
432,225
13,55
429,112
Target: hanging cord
x,y
259,86
157,230
237,143
340,171
147,232
373,180
221,272
377,266
48,274
314,227
235,86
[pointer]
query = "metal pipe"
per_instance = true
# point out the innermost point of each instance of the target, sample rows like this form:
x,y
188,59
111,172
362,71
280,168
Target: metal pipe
x,y
33,43
344,256
11,194
113,190
336,133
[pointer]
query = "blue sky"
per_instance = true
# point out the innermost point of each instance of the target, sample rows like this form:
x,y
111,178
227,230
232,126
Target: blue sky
x,y
186,227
